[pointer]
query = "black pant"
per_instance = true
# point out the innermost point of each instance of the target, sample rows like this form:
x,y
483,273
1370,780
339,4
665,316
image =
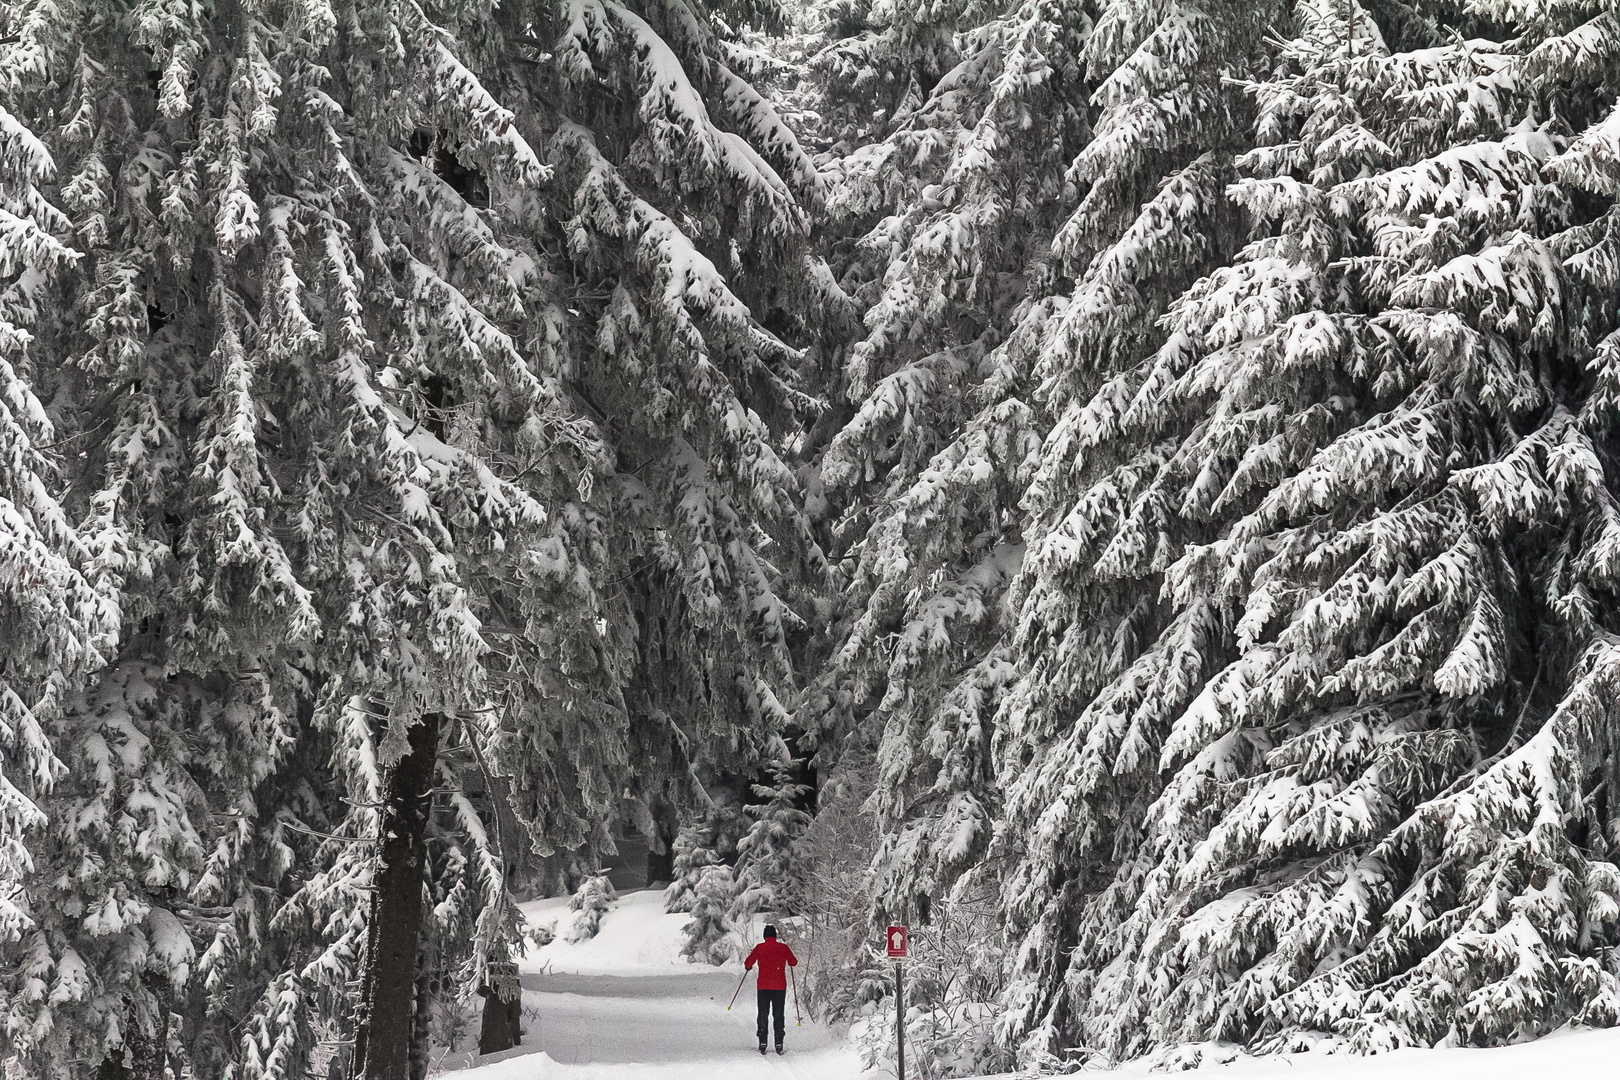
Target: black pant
x,y
773,1001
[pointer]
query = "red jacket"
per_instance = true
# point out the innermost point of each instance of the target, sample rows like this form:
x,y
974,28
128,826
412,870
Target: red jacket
x,y
773,959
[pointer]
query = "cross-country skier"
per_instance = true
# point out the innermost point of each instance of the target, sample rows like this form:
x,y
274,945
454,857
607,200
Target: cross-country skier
x,y
773,958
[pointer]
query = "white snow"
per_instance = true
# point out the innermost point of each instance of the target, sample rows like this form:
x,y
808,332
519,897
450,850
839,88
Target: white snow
x,y
637,937
1563,1054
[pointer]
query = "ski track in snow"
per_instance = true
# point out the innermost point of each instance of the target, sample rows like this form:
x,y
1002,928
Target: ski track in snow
x,y
625,1005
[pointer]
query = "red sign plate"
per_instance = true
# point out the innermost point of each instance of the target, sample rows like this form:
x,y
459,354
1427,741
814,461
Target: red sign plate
x,y
896,941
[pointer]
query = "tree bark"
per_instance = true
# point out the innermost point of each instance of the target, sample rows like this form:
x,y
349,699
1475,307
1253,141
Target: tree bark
x,y
382,1048
422,1024
502,1028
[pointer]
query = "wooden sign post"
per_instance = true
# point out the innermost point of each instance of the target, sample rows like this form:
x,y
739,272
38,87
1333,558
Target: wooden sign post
x,y
896,942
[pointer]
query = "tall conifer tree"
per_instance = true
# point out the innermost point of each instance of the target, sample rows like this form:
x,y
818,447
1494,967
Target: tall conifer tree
x,y
1313,730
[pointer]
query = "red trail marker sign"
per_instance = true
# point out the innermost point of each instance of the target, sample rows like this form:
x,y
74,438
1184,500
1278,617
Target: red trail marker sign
x,y
896,941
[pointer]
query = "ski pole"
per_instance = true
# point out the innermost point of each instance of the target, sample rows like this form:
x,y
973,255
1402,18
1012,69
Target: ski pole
x,y
738,990
793,974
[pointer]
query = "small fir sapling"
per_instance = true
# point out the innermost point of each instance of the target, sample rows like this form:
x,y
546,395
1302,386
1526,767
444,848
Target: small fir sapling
x,y
593,899
710,935
694,853
767,859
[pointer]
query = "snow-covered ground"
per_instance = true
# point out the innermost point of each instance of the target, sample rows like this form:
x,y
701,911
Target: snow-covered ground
x,y
1562,1056
626,1006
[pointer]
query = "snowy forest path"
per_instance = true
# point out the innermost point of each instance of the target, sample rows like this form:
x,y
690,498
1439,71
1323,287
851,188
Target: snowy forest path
x,y
625,1005
676,1021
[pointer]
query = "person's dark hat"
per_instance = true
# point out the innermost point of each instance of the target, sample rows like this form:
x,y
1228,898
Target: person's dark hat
x,y
770,931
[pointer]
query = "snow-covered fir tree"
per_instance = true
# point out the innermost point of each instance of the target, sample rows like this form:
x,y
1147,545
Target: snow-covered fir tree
x,y
1076,150
59,620
56,624
592,900
710,935
685,204
710,840
767,859
1311,735
933,463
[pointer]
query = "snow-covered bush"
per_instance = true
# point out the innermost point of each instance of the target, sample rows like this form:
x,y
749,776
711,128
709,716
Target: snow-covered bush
x,y
953,986
939,1042
592,900
539,935
711,937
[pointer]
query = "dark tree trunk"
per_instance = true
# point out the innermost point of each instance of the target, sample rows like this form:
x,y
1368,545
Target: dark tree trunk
x,y
503,1010
382,1044
145,1054
422,1023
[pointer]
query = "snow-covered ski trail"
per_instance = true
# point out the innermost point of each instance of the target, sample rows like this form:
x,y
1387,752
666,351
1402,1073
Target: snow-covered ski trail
x,y
625,1005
